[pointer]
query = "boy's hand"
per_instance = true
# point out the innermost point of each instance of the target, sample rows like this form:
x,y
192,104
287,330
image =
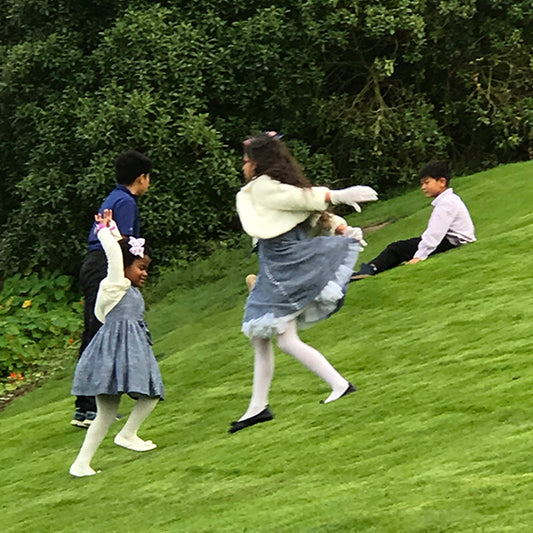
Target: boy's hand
x,y
353,195
413,261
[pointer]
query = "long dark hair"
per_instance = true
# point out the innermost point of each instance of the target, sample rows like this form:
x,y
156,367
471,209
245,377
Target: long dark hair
x,y
273,158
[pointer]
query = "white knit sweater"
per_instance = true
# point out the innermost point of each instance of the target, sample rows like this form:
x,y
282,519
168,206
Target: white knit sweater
x,y
268,208
114,286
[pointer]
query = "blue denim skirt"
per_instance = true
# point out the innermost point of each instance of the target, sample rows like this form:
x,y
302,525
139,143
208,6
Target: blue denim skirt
x,y
300,278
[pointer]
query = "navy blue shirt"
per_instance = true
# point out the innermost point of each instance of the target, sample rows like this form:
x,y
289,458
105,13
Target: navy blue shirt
x,y
125,214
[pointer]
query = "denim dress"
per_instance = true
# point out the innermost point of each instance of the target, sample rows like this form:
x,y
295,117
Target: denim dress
x,y
300,278
119,359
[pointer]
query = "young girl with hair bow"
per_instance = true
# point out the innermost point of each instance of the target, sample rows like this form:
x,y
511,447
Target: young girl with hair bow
x,y
301,280
119,359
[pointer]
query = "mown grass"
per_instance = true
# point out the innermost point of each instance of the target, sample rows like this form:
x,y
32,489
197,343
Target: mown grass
x,y
437,439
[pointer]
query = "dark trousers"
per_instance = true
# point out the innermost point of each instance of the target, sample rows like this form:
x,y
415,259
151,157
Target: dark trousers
x,y
400,251
93,271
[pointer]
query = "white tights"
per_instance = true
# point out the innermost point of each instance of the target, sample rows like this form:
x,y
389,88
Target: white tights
x,y
107,409
290,343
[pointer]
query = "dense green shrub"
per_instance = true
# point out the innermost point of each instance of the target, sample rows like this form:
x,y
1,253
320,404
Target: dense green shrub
x,y
38,314
365,91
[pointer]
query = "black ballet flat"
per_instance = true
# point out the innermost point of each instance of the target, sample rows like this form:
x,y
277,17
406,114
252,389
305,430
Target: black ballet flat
x,y
264,416
351,388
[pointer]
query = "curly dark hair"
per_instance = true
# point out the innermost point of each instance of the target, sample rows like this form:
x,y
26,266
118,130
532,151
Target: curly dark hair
x,y
273,158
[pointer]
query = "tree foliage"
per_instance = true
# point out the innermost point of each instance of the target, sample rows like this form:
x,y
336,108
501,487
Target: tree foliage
x,y
364,91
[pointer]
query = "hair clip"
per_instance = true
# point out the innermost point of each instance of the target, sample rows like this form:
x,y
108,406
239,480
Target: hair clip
x,y
136,246
271,134
274,134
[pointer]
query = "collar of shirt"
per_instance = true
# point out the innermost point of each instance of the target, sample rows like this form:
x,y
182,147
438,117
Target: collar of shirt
x,y
123,188
442,196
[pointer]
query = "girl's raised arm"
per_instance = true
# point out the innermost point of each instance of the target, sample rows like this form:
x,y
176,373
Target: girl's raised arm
x,y
106,230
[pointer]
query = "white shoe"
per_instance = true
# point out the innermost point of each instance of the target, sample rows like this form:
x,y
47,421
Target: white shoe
x,y
138,445
75,471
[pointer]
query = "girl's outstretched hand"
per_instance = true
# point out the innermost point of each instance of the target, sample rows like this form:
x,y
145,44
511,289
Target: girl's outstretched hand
x,y
104,219
353,195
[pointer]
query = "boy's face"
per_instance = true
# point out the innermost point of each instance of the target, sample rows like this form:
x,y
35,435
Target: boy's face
x,y
142,183
432,187
137,272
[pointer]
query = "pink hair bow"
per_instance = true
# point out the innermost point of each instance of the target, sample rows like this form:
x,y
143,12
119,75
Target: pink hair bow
x,y
136,246
273,134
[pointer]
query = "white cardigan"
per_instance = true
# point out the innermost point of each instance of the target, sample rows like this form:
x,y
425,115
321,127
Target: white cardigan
x,y
114,286
268,208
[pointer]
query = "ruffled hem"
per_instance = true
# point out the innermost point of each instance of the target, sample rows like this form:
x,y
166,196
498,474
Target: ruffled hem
x,y
329,301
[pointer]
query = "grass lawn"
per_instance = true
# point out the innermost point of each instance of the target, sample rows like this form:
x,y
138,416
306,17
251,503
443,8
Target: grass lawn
x,y
437,439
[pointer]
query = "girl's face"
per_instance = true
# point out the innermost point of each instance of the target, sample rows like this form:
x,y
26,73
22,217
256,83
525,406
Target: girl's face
x,y
137,272
248,168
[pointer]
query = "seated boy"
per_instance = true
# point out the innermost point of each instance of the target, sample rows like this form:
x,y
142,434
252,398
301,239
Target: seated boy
x,y
449,226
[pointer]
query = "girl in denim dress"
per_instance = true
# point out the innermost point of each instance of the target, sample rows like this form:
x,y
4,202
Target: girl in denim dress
x,y
306,257
119,359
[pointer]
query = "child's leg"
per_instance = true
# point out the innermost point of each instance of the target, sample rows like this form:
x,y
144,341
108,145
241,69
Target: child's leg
x,y
395,254
127,437
93,271
107,411
263,373
290,343
443,246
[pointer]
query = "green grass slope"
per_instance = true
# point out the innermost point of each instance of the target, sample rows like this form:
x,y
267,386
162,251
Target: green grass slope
x,y
437,439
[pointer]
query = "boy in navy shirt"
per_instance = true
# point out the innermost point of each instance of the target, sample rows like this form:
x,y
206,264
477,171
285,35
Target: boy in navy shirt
x,y
132,170
449,226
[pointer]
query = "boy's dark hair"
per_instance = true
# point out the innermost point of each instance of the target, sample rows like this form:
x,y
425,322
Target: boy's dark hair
x,y
436,169
273,158
127,256
130,165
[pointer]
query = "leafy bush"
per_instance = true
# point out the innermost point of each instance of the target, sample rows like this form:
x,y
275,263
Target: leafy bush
x,y
38,315
364,92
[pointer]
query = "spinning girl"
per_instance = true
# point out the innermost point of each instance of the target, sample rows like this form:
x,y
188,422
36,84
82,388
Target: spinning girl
x,y
301,280
119,359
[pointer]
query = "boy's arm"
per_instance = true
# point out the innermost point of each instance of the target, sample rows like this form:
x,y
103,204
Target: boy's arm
x,y
125,214
438,225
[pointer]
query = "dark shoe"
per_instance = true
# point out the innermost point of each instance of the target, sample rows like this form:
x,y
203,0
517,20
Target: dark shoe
x,y
351,388
89,418
264,416
78,420
365,270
